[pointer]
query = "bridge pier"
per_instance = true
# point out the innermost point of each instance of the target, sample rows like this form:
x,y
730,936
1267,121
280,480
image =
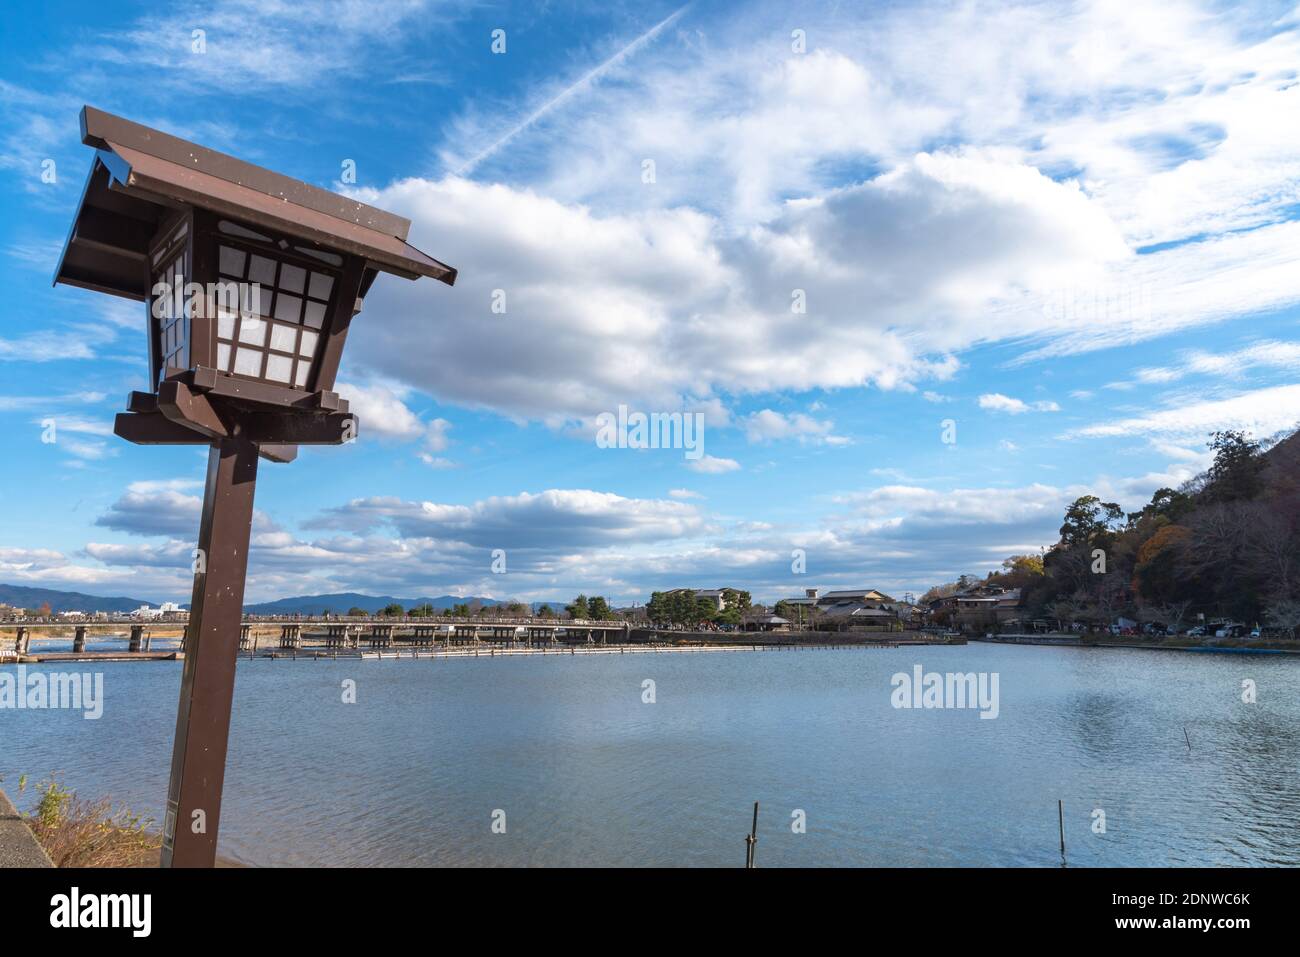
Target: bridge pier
x,y
290,636
381,636
137,638
22,641
79,640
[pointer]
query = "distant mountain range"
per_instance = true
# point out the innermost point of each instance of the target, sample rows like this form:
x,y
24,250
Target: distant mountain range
x,y
33,598
339,604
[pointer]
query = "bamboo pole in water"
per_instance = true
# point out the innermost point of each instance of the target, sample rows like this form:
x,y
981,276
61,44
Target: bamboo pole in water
x,y
1060,819
751,840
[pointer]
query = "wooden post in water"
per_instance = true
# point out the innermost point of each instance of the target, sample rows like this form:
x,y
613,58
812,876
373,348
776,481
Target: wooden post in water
x,y
1060,819
751,840
1188,739
79,640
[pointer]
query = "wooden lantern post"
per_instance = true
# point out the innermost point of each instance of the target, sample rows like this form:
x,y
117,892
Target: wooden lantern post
x,y
251,281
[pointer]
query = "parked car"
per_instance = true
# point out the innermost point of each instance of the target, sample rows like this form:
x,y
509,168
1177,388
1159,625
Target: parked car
x,y
1256,633
1231,631
1197,631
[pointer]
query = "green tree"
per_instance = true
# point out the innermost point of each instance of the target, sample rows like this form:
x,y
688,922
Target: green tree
x,y
657,609
355,612
393,610
1236,474
1089,520
735,598
598,609
578,608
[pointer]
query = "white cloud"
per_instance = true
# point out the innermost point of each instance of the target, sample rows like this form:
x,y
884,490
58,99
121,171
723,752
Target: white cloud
x,y
554,519
44,347
10,402
381,410
898,272
712,465
255,44
997,402
1269,354
767,425
1262,412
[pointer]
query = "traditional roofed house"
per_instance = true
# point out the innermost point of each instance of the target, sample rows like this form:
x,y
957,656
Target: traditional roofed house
x,y
718,596
854,594
978,607
1008,606
760,619
850,608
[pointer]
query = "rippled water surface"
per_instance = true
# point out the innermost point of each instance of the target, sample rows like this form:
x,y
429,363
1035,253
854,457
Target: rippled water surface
x,y
588,774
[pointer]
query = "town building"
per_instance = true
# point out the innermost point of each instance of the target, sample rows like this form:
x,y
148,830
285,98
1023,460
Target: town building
x,y
844,609
716,596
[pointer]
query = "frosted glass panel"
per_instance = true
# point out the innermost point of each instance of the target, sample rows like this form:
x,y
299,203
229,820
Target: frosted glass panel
x,y
308,345
304,370
262,300
248,362
225,325
253,331
321,285
223,357
282,337
315,314
262,270
232,261
332,258
234,229
288,308
292,277
278,368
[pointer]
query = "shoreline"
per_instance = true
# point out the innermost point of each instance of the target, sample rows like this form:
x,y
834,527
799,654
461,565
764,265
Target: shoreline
x,y
322,652
1071,641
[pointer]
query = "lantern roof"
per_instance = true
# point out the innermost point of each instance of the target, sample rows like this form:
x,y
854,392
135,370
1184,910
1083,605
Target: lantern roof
x,y
140,176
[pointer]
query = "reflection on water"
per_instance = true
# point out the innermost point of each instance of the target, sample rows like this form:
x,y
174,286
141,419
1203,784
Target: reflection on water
x,y
587,774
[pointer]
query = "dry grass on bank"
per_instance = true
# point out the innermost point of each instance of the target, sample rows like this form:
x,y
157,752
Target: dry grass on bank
x,y
80,833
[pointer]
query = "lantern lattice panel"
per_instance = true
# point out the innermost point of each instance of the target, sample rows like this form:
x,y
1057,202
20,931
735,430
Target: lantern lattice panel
x,y
273,333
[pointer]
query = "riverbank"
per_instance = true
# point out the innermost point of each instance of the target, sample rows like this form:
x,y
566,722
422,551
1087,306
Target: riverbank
x,y
1179,643
18,845
312,647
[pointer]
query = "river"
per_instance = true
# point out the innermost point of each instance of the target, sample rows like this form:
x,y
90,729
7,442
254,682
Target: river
x,y
581,770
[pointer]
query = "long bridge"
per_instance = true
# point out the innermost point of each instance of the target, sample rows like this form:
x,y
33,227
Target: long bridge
x,y
330,637
328,633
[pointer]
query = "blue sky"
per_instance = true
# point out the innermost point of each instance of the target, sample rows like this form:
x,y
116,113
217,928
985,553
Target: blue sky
x,y
1069,228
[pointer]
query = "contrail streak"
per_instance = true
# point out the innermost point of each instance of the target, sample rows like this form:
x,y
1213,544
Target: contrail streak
x,y
585,81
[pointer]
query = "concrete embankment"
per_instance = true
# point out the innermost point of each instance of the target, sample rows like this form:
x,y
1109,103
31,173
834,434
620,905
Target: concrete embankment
x,y
18,845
